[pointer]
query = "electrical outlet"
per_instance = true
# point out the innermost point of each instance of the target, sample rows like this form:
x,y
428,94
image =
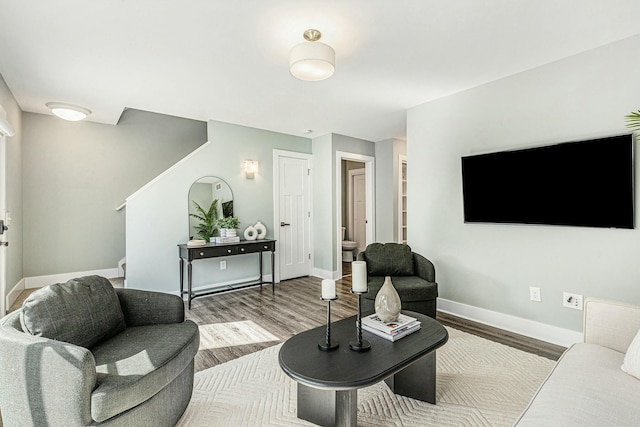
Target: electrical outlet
x,y
534,294
570,300
223,265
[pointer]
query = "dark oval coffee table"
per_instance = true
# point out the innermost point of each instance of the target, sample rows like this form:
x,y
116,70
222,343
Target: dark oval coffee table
x,y
328,380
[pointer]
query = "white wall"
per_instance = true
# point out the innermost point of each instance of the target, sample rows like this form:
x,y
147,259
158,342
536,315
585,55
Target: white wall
x,y
157,215
492,266
387,185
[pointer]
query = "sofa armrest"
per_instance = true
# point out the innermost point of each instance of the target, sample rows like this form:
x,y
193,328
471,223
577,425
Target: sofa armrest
x,y
43,381
424,268
142,308
610,324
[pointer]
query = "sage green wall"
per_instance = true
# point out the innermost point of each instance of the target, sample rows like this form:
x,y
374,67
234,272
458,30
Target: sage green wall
x,y
491,266
324,199
77,173
14,187
152,255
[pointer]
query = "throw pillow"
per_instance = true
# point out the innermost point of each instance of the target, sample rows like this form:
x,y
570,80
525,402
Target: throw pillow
x,y
82,311
631,363
390,259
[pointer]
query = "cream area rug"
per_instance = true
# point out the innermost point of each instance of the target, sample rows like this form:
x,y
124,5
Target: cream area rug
x,y
479,383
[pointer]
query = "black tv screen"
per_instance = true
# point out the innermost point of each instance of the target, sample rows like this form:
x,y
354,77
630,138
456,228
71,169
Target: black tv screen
x,y
586,184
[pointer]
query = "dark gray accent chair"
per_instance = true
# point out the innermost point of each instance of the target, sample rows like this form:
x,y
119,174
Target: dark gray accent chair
x,y
413,276
82,353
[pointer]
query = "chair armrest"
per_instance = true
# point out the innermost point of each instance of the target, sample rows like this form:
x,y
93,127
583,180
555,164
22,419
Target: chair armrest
x,y
44,381
610,324
142,308
424,268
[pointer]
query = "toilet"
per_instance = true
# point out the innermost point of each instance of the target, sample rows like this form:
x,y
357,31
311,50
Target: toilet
x,y
349,248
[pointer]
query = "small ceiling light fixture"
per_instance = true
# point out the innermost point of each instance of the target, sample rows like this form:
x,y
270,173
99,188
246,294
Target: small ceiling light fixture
x,y
70,112
312,61
250,169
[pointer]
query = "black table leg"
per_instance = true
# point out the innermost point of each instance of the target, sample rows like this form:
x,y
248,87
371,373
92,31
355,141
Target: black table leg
x,y
417,380
273,273
189,283
260,268
181,261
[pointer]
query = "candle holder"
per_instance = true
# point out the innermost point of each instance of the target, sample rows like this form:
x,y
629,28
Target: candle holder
x,y
360,345
327,345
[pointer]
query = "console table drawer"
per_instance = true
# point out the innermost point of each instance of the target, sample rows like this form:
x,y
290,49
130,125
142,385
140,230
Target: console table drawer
x,y
200,253
257,247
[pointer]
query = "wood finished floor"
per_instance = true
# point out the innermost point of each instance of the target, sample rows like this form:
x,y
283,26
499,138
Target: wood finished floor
x,y
296,307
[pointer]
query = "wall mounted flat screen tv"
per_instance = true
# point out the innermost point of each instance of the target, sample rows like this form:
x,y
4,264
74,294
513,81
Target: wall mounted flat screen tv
x,y
585,184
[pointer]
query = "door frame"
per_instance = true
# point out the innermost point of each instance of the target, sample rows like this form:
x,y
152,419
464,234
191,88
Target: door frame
x,y
369,173
276,205
5,130
352,174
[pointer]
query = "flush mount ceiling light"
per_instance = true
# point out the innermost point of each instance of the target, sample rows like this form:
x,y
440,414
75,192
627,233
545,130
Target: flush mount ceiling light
x,y
312,61
69,112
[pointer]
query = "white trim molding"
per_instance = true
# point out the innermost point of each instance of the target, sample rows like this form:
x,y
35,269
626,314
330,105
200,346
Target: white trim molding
x,y
40,281
326,274
13,294
369,172
518,325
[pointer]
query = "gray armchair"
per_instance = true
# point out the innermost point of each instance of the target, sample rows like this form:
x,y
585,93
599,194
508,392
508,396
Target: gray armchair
x,y
83,353
413,276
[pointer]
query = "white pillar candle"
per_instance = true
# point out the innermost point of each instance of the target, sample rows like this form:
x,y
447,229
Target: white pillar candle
x,y
328,289
359,276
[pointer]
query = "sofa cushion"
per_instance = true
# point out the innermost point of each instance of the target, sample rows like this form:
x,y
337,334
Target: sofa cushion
x,y
82,311
139,362
586,388
390,259
410,288
631,363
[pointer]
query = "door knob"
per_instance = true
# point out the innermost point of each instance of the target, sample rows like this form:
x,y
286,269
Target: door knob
x,y
283,224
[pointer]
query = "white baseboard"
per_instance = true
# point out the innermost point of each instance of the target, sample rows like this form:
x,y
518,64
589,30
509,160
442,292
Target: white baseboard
x,y
13,294
518,325
40,281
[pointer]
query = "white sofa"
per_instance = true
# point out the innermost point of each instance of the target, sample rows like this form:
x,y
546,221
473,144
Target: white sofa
x,y
588,387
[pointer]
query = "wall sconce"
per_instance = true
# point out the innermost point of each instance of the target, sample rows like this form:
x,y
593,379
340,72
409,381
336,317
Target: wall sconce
x,y
250,168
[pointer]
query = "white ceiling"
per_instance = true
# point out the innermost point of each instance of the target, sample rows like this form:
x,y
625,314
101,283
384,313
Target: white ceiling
x,y
227,60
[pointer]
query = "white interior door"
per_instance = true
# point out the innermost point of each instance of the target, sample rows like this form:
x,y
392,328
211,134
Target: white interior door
x,y
294,222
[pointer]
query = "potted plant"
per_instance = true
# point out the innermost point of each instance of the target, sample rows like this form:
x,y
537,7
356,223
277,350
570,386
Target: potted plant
x,y
208,220
228,226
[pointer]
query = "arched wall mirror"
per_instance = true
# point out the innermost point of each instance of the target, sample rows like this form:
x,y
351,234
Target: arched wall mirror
x,y
210,198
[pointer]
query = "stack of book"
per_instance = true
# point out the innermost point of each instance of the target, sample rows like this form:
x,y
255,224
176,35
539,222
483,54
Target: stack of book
x,y
392,331
234,239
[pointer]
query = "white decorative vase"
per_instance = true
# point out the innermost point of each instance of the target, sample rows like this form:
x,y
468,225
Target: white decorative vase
x,y
388,304
223,232
261,229
250,233
232,232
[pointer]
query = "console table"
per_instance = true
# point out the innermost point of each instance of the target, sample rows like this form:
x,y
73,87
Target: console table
x,y
214,250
